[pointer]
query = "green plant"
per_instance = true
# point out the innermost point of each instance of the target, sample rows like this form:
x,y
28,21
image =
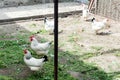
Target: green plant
x,y
117,53
33,25
5,78
74,37
97,48
42,31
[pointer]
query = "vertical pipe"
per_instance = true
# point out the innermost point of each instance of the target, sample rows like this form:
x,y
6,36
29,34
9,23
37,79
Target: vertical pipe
x,y
55,39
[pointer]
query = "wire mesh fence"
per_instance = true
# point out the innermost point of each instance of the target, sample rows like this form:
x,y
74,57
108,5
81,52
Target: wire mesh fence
x,y
109,9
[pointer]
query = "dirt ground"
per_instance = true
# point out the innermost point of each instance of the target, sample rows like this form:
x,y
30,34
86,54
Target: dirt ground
x,y
86,38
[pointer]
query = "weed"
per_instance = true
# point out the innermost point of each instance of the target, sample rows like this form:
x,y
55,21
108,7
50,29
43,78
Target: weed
x,y
97,48
117,53
2,64
33,25
74,37
41,31
5,78
87,55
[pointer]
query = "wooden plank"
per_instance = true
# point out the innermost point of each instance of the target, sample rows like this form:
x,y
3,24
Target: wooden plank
x,y
97,11
102,7
117,12
95,3
96,6
112,9
106,8
99,6
103,2
109,8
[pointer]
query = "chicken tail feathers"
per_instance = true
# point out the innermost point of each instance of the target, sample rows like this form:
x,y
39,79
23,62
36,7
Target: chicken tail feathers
x,y
45,58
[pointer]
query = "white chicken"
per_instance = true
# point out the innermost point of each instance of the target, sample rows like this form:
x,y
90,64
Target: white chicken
x,y
49,25
33,63
97,26
85,12
40,48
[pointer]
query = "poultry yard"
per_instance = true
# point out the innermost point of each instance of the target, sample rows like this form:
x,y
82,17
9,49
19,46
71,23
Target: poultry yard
x,y
82,54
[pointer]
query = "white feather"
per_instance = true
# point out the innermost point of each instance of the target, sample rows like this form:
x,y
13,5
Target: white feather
x,y
85,12
49,25
33,63
96,26
40,48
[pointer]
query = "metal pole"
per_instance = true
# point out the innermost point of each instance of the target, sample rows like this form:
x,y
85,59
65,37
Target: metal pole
x,y
55,39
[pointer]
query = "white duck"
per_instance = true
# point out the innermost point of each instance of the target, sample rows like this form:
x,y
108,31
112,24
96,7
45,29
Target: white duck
x,y
40,48
33,63
49,25
97,26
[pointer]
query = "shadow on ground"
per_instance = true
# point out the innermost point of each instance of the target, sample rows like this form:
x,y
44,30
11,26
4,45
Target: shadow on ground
x,y
78,69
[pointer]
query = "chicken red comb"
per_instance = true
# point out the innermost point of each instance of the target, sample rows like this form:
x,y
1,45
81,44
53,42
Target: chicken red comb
x,y
25,51
32,36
